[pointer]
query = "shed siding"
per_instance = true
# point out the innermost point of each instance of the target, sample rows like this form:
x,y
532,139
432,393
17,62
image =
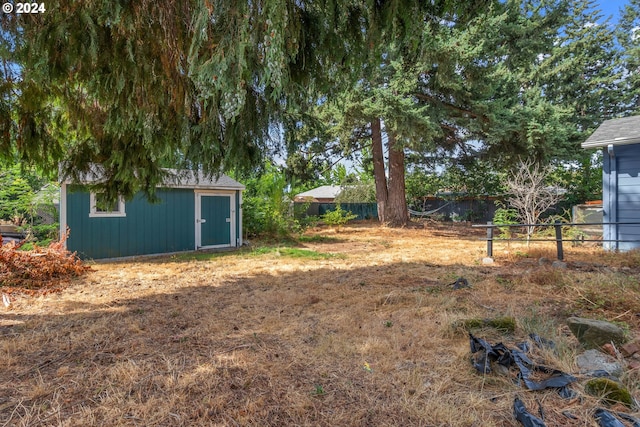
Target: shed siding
x,y
238,219
167,226
621,196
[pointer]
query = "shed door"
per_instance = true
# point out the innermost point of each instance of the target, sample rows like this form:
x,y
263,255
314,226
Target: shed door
x,y
214,220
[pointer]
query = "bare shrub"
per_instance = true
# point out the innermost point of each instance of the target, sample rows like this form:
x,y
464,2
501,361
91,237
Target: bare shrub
x,y
529,192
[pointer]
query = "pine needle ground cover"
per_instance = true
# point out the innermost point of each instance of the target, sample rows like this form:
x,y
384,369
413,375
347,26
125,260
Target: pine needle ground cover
x,y
351,327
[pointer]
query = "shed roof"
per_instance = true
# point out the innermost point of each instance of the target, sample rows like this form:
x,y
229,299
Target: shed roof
x,y
175,178
190,179
615,132
322,192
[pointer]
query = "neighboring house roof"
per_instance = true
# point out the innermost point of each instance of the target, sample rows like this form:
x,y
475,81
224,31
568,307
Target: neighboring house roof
x,y
175,179
615,132
323,192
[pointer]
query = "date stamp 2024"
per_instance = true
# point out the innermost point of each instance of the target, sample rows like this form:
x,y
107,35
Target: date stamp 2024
x,y
26,8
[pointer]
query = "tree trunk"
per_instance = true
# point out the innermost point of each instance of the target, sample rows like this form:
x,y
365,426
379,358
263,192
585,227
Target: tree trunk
x,y
397,214
378,169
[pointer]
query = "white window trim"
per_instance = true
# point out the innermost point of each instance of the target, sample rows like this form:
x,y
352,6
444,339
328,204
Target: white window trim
x,y
93,213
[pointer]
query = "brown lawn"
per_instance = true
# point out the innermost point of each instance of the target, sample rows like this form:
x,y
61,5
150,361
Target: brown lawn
x,y
351,327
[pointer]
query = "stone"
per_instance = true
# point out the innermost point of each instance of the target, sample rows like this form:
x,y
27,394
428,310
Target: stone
x,y
609,349
559,264
633,364
609,391
630,348
594,360
595,333
501,370
487,261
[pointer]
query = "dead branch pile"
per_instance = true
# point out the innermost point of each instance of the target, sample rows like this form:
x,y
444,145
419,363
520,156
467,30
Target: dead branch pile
x,y
41,268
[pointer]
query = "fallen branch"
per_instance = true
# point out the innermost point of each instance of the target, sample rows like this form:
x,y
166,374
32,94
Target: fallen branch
x,y
39,268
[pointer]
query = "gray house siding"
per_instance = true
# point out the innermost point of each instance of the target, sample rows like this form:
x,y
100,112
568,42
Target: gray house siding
x,y
621,196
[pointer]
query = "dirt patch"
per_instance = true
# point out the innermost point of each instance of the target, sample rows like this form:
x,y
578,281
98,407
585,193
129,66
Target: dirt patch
x,y
345,327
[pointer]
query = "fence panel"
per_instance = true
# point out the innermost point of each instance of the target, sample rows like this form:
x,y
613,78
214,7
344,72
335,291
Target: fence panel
x,y
467,209
363,210
558,234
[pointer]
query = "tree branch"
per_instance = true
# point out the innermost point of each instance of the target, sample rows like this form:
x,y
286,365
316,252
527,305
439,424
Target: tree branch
x,y
431,98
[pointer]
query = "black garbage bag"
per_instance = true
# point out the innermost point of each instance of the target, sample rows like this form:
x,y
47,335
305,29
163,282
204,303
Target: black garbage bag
x,y
606,419
567,393
556,379
526,418
482,361
498,353
502,355
634,421
542,342
460,283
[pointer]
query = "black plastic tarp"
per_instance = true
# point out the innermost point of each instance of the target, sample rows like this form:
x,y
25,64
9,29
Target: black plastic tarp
x,y
485,353
526,418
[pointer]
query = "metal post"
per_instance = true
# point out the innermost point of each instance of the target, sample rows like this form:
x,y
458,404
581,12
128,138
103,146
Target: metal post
x,y
489,239
558,227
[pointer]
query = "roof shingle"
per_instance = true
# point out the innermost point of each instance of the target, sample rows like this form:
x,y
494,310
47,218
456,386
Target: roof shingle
x,y
616,132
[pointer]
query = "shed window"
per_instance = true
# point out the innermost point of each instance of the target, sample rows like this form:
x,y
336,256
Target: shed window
x,y
97,210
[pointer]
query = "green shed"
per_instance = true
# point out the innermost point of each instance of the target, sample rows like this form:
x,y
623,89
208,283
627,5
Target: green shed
x,y
194,212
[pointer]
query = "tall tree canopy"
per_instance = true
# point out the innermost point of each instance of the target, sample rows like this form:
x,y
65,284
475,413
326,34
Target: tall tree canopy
x,y
214,84
134,86
521,78
629,38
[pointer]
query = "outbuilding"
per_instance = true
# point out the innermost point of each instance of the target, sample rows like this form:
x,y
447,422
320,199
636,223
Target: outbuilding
x,y
620,141
322,194
194,212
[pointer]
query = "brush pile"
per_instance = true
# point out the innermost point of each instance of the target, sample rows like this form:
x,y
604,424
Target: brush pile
x,y
39,269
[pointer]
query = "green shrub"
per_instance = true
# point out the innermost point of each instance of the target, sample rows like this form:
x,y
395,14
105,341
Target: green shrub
x,y
45,231
568,232
505,216
338,216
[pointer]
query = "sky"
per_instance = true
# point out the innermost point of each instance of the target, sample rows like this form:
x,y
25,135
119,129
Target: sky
x,y
611,7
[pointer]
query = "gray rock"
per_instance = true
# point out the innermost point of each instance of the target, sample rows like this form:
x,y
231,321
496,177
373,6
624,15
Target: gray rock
x,y
487,261
501,370
559,264
594,360
595,333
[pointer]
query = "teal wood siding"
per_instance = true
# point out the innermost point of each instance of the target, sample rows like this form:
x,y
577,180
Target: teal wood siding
x,y
167,226
621,196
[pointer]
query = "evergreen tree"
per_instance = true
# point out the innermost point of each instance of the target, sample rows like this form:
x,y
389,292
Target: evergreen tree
x,y
464,89
202,84
629,38
575,84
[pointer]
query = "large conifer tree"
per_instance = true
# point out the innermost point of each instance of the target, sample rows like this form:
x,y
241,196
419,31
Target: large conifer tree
x,y
134,86
629,37
519,79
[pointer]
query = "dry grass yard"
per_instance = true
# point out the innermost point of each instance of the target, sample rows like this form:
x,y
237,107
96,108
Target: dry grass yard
x,y
350,327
